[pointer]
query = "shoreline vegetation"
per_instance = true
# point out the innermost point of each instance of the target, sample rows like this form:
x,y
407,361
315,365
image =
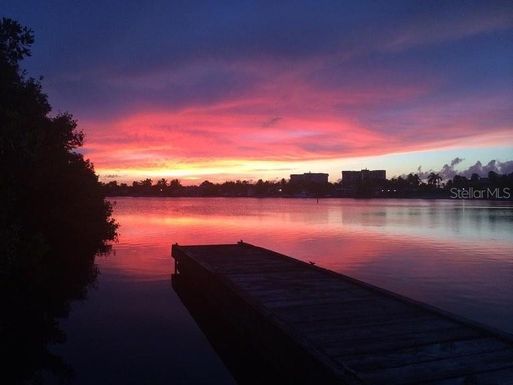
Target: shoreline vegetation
x,y
492,187
54,219
52,198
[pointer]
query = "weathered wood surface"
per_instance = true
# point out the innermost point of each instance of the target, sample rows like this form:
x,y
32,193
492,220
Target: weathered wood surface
x,y
357,333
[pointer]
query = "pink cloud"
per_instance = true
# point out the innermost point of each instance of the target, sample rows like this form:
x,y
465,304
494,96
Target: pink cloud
x,y
287,117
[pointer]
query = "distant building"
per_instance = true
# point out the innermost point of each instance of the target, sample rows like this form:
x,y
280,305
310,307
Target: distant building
x,y
309,177
351,178
354,178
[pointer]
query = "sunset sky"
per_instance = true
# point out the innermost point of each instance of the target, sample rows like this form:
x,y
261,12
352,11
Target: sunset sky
x,y
246,90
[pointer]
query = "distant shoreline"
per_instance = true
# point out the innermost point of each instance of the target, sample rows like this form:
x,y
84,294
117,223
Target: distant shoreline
x,y
493,187
447,198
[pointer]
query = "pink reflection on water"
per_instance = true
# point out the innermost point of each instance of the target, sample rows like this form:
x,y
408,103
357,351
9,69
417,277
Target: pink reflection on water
x,y
450,253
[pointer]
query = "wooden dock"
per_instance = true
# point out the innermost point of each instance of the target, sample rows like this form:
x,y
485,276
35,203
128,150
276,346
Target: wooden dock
x,y
316,326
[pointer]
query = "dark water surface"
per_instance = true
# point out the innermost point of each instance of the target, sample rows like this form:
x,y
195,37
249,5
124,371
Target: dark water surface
x,y
133,329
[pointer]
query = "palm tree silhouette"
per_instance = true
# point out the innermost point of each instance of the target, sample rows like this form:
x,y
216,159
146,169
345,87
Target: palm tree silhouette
x,y
434,179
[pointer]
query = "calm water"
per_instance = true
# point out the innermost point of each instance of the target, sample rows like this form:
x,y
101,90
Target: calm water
x,y
133,329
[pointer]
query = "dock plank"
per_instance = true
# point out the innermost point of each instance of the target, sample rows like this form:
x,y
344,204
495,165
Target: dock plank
x,y
324,327
440,369
494,377
350,347
380,331
424,353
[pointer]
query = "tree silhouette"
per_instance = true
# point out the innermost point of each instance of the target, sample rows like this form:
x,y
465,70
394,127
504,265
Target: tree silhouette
x,y
413,179
50,194
53,215
434,179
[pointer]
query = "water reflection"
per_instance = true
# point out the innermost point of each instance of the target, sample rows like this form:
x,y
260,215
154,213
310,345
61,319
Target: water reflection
x,y
134,329
453,254
33,303
247,365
